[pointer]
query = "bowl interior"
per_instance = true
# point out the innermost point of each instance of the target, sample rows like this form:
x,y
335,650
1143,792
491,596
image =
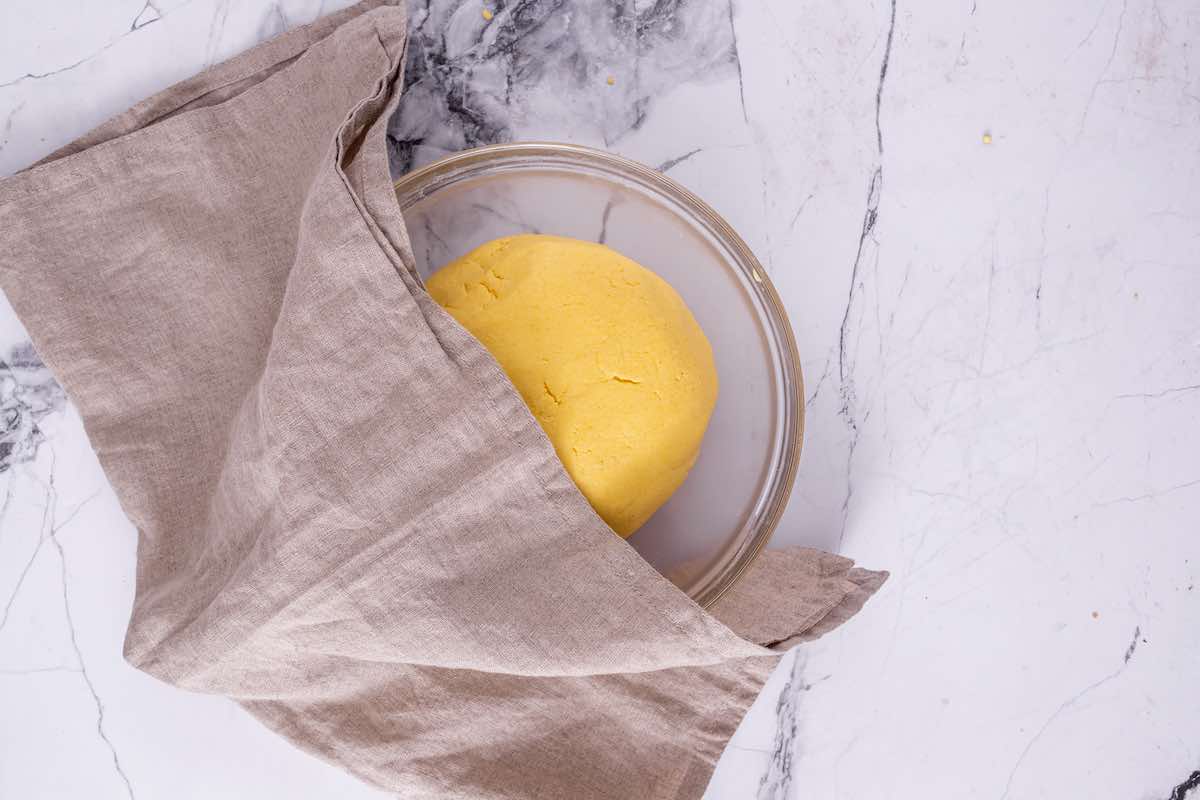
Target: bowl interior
x,y
713,526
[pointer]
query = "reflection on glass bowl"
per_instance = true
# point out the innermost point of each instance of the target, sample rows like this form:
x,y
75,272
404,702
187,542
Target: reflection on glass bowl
x,y
709,532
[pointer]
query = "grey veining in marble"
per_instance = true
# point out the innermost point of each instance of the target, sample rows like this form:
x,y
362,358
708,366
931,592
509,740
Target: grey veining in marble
x,y
28,394
776,782
570,69
845,363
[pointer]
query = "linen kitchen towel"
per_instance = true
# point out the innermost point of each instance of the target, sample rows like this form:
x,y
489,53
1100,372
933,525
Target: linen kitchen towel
x,y
349,522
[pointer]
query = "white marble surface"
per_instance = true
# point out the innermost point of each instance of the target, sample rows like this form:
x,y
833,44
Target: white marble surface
x,y
991,256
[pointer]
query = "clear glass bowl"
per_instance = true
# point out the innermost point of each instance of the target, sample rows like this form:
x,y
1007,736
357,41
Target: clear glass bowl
x,y
712,528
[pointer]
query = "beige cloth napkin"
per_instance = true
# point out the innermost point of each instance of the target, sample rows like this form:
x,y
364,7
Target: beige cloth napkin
x,y
349,522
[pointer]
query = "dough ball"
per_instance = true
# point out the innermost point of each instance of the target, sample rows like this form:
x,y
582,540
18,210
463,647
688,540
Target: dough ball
x,y
603,351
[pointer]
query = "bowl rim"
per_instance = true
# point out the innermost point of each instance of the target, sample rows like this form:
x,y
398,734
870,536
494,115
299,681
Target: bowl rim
x,y
410,183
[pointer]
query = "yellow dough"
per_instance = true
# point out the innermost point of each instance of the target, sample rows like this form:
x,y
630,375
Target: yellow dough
x,y
605,354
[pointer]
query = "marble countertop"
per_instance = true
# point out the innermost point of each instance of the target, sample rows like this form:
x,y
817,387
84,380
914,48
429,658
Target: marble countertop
x,y
983,219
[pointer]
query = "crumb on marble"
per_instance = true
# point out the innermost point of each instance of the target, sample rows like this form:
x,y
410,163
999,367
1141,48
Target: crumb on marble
x,y
488,14
611,80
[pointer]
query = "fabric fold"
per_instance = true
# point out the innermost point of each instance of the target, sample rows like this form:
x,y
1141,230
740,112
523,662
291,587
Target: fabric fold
x,y
794,595
348,520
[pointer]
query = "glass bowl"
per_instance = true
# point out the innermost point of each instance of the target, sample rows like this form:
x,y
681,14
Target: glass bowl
x,y
708,533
